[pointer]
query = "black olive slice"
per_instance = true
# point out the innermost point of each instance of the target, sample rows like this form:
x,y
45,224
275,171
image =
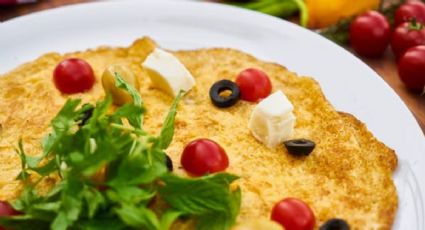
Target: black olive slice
x,y
168,163
88,112
335,224
224,101
299,147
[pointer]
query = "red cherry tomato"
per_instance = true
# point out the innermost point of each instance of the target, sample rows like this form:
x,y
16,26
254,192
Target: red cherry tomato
x,y
254,85
7,210
293,214
204,156
73,76
411,68
370,34
409,10
407,35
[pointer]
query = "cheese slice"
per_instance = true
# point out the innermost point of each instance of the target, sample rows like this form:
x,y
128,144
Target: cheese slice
x,y
272,121
167,72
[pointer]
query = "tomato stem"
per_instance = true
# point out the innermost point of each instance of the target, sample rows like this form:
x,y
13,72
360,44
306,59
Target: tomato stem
x,y
414,25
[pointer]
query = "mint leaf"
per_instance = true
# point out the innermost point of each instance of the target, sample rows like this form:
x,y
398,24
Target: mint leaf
x,y
198,195
167,131
213,221
130,194
60,222
136,170
168,218
138,217
206,197
221,221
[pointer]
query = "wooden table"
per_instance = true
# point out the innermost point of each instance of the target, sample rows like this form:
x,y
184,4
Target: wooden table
x,y
385,67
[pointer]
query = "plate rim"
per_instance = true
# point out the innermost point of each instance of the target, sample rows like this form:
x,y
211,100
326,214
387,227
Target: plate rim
x,y
304,30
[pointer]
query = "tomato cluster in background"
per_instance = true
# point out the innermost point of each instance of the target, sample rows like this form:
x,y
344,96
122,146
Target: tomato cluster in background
x,y
370,26
371,33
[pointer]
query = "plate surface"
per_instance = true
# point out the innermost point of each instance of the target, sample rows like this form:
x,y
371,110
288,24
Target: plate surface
x,y
347,82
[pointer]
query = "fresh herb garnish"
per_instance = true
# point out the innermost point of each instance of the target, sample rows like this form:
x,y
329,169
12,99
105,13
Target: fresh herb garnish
x,y
112,174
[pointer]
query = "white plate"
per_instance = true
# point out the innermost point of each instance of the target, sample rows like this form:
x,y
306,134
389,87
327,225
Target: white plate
x,y
348,83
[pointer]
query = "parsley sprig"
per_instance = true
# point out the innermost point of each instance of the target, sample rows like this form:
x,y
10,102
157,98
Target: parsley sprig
x,y
132,165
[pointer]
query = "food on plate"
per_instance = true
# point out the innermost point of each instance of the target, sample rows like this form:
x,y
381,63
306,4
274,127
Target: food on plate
x,y
411,68
204,156
258,224
254,84
370,34
299,147
119,96
272,120
218,93
73,75
336,223
167,72
123,165
293,213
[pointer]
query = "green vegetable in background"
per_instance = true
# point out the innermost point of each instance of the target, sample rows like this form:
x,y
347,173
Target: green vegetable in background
x,y
279,8
135,176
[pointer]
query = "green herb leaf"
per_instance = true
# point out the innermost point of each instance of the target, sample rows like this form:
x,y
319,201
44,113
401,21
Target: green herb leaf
x,y
133,167
107,222
23,222
205,197
131,112
27,162
94,200
61,124
137,99
168,218
167,131
136,170
130,194
138,217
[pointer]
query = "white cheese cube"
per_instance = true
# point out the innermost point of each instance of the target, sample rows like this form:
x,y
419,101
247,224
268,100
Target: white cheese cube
x,y
167,72
272,121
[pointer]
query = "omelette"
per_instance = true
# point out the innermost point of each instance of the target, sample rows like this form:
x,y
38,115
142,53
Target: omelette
x,y
348,175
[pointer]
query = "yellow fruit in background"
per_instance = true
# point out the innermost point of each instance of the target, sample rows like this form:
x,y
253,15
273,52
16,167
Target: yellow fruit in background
x,y
323,13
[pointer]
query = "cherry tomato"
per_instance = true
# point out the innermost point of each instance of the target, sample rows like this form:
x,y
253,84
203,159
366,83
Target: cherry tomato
x,y
73,76
409,10
7,210
254,84
204,156
293,214
411,68
407,35
370,34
